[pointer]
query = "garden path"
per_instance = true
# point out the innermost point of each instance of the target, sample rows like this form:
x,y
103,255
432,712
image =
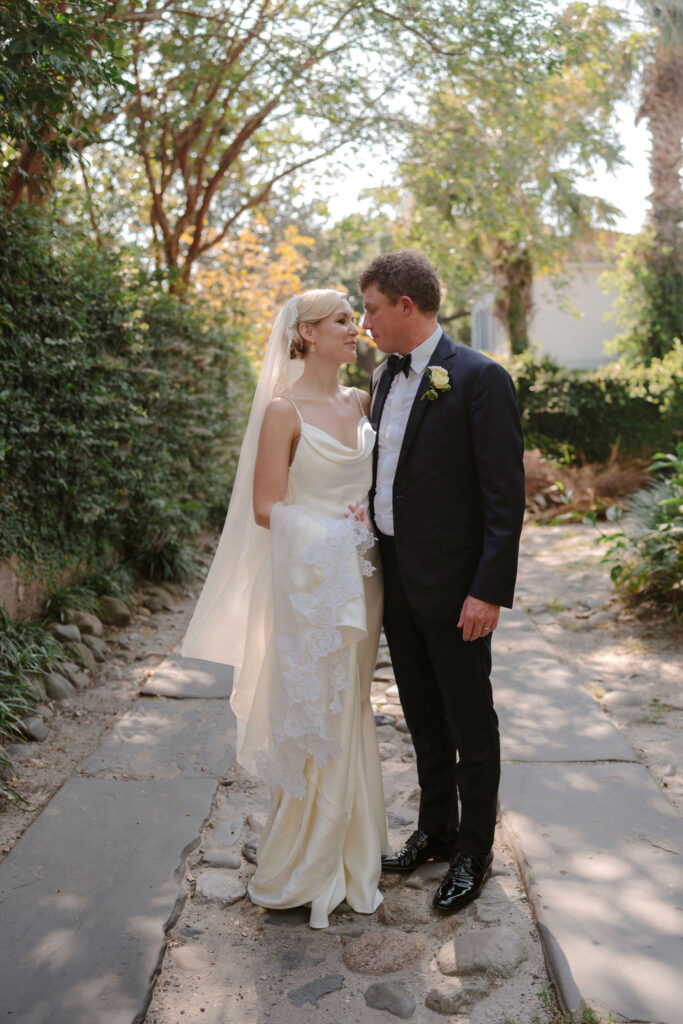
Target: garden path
x,y
630,660
83,940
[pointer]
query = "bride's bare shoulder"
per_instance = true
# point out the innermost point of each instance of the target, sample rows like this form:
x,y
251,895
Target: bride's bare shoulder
x,y
281,413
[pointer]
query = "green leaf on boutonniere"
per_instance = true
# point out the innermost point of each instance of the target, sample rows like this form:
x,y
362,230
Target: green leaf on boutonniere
x,y
439,380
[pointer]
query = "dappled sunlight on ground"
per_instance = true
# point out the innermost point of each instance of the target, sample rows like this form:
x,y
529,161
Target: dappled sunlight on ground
x,y
632,665
603,855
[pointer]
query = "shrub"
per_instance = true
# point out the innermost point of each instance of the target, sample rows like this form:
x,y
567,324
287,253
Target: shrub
x,y
647,553
649,282
84,589
582,415
159,546
558,492
121,408
25,649
113,580
74,595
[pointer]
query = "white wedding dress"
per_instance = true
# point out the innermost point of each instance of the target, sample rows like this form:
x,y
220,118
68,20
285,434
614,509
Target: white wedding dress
x,y
302,697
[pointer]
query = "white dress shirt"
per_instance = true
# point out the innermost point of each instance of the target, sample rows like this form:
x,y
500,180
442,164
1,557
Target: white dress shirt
x,y
392,427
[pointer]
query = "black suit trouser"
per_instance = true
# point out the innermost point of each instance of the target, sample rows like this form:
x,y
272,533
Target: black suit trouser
x,y
445,690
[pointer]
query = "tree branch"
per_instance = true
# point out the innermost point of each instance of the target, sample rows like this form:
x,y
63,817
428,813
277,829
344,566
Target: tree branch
x,y
261,197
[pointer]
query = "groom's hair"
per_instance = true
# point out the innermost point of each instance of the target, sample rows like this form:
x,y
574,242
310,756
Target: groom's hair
x,y
404,273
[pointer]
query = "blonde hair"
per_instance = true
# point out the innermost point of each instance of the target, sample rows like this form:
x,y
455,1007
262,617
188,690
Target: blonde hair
x,y
312,307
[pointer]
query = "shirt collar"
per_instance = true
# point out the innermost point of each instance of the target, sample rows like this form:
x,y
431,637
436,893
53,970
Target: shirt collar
x,y
420,356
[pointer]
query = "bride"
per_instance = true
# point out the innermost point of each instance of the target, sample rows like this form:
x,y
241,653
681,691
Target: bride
x,y
293,600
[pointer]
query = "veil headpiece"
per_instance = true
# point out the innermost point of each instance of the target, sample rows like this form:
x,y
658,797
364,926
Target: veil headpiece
x,y
218,628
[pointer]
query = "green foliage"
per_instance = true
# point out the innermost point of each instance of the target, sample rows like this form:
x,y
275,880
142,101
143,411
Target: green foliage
x,y
83,591
74,596
495,167
232,100
115,580
647,553
25,648
160,546
582,1015
237,102
650,300
50,54
120,408
343,250
574,415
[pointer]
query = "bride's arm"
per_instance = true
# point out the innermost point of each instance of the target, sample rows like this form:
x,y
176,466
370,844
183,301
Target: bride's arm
x,y
279,430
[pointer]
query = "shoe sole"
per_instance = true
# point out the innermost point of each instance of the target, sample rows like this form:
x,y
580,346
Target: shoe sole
x,y
466,900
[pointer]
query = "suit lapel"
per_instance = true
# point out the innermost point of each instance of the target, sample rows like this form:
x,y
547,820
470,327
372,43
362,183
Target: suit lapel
x,y
444,352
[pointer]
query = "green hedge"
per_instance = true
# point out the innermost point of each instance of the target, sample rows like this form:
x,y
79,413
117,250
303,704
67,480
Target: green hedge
x,y
579,415
121,409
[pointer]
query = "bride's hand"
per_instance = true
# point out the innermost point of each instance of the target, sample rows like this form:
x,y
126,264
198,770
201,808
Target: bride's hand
x,y
359,512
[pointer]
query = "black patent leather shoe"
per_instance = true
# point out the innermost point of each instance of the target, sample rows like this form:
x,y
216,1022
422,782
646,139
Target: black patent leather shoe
x,y
420,848
463,882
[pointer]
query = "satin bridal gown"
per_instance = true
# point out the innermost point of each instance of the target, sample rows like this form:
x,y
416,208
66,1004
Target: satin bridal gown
x,y
311,667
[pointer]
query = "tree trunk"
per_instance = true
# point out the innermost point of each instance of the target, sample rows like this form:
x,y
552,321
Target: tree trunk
x,y
662,107
179,281
27,179
513,272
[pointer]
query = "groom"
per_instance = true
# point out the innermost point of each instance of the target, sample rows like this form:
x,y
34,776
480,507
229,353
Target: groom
x,y
447,502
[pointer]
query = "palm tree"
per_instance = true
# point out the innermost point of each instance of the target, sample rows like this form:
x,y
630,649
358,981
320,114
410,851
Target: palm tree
x,y
662,107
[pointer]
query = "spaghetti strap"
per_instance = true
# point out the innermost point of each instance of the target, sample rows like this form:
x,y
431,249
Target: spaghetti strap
x,y
360,404
292,402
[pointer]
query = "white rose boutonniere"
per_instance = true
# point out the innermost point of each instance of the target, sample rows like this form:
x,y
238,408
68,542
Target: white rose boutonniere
x,y
439,380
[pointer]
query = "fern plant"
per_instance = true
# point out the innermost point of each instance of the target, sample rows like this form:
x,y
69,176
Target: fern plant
x,y
647,553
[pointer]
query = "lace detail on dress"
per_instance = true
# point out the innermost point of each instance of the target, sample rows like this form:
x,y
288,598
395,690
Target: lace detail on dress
x,y
313,659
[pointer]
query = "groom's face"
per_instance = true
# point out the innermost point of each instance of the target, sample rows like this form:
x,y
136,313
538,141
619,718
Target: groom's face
x,y
385,321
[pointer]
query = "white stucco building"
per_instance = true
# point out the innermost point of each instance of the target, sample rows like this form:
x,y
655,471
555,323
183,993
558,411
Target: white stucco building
x,y
570,322
573,324
488,333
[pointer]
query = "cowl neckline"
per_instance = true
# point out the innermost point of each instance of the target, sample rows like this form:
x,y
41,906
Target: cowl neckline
x,y
331,447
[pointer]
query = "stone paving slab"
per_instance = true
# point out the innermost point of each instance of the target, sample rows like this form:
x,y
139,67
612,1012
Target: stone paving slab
x,y
545,712
189,678
163,738
85,895
600,848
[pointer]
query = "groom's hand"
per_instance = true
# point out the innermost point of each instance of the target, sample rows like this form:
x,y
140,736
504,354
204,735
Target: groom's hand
x,y
477,618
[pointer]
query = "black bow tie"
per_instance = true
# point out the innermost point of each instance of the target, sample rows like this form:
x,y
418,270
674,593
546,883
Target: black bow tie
x,y
398,364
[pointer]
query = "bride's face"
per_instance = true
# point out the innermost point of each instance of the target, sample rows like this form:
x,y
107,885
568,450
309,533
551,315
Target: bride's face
x,y
334,337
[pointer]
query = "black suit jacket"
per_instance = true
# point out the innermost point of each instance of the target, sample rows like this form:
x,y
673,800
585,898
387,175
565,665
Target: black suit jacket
x,y
459,487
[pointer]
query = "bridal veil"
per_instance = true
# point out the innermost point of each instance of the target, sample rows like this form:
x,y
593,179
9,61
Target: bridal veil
x,y
218,628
